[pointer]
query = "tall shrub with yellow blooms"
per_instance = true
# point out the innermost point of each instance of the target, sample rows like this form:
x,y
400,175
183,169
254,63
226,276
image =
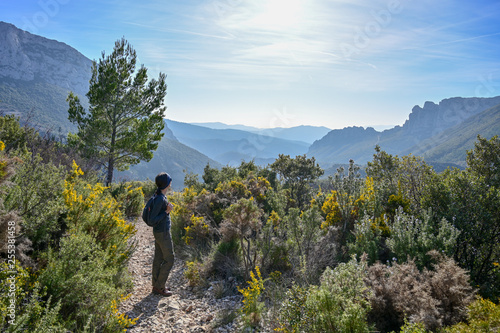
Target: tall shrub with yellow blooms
x,y
92,210
331,208
252,307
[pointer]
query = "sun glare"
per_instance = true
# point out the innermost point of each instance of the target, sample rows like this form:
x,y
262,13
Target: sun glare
x,y
278,14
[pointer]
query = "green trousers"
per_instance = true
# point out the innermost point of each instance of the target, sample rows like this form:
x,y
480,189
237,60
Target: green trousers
x,y
163,259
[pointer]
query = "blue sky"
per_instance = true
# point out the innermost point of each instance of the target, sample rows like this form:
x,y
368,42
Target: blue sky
x,y
283,63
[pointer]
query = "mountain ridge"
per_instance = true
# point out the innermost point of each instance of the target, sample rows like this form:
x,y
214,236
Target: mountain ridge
x,y
446,146
37,73
28,57
231,146
306,133
423,123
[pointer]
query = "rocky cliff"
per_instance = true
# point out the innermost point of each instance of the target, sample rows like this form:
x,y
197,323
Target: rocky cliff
x,y
433,118
423,123
36,75
28,57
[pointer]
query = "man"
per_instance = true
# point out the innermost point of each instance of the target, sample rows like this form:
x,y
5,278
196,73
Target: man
x,y
164,252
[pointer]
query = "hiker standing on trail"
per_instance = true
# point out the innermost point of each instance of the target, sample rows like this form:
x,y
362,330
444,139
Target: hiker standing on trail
x,y
164,251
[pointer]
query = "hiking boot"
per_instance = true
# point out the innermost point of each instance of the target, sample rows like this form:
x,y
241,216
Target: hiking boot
x,y
163,292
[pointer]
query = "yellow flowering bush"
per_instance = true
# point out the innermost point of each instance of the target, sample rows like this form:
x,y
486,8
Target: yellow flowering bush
x,y
365,203
274,219
15,283
258,187
85,278
131,197
483,316
91,209
193,273
252,308
331,208
87,272
184,203
197,232
380,225
4,163
120,321
34,311
233,188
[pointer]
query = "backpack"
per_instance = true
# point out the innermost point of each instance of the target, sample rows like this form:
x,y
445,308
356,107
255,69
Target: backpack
x,y
146,212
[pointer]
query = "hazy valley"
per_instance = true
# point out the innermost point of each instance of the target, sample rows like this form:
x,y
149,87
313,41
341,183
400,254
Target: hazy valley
x,y
36,75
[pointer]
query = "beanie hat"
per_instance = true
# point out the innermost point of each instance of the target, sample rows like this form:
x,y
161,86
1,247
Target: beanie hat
x,y
162,180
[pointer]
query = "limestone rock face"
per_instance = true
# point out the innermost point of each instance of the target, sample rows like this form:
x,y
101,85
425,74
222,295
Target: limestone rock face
x,y
28,57
434,118
338,146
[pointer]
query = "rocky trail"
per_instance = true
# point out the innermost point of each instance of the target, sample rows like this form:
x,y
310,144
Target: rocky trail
x,y
186,310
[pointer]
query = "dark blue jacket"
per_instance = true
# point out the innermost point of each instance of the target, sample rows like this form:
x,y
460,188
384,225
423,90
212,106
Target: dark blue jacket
x,y
159,214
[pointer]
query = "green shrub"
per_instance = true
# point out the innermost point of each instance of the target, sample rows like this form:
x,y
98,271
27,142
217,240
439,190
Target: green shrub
x,y
340,303
413,328
90,209
39,317
242,221
310,249
34,310
275,253
13,135
483,316
81,278
197,233
15,284
36,196
294,316
148,188
130,196
414,238
184,205
367,239
88,273
224,260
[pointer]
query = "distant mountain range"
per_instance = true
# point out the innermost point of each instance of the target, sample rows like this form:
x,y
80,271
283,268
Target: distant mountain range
x,y
303,133
36,75
231,146
429,132
449,144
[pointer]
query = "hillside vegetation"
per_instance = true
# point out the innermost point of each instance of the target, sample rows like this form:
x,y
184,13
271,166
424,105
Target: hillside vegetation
x,y
37,87
397,248
36,75
403,248
32,100
65,246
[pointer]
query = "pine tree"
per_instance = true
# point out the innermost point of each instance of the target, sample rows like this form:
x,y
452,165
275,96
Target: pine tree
x,y
124,121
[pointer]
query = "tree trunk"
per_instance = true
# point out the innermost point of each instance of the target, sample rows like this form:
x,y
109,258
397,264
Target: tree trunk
x,y
111,158
111,163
